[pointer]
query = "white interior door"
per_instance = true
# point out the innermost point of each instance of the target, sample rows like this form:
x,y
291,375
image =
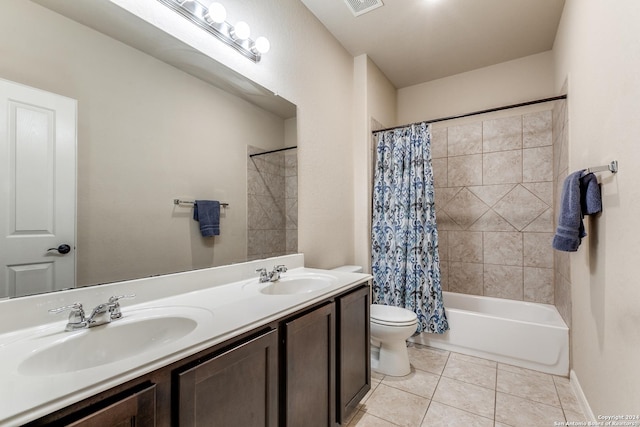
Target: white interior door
x,y
37,190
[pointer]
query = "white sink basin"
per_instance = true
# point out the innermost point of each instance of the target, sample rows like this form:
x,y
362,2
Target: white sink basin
x,y
299,284
138,332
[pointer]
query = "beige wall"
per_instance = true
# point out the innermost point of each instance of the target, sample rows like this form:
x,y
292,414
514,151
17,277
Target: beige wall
x,y
507,83
597,50
147,133
374,101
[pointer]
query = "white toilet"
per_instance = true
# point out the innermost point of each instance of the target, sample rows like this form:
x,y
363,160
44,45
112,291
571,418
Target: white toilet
x,y
390,328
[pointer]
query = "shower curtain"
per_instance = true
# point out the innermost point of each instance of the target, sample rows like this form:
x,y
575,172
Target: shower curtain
x,y
405,260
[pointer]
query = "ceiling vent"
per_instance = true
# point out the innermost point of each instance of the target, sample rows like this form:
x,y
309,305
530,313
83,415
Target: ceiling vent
x,y
359,7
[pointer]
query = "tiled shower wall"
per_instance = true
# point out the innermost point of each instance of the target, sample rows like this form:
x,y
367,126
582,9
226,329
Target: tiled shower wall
x,y
272,204
291,200
560,172
494,206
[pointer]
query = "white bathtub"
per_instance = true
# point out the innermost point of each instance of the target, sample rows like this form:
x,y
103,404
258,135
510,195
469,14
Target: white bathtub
x,y
524,334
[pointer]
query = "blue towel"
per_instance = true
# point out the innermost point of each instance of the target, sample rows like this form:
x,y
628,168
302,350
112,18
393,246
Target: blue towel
x,y
580,197
590,197
207,212
570,229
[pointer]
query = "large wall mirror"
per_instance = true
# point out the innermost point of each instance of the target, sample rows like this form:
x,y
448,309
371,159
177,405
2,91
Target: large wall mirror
x,y
156,121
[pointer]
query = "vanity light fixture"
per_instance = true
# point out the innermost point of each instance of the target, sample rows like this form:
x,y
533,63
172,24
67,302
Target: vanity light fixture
x,y
240,32
213,20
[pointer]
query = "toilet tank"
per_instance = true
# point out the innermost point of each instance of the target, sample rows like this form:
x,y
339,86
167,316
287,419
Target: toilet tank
x,y
349,268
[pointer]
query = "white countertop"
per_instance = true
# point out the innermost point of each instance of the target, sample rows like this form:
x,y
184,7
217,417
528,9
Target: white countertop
x,y
223,311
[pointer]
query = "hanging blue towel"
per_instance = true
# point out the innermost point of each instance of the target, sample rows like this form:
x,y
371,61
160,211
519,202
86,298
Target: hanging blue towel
x,y
207,212
580,196
590,196
570,229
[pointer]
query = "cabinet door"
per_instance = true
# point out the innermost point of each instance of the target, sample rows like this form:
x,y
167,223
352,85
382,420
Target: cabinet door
x,y
353,353
310,369
137,410
236,388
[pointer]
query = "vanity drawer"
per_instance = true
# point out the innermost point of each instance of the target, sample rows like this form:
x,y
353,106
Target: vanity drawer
x,y
138,409
134,407
238,387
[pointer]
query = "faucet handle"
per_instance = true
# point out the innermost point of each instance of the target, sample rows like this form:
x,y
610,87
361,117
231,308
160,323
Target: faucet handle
x,y
119,297
115,305
280,268
77,318
264,276
76,308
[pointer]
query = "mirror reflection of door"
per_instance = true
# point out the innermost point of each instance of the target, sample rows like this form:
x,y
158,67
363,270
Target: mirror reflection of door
x,y
37,190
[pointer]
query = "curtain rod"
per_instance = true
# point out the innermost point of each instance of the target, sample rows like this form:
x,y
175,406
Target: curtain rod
x,y
475,113
273,151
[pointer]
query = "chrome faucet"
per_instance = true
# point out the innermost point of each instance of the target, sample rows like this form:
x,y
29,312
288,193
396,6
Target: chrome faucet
x,y
101,314
273,276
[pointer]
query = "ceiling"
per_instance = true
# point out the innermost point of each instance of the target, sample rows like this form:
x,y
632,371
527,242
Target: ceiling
x,y
415,41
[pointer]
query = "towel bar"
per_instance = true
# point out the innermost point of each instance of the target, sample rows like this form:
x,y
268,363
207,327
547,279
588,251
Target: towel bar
x,y
192,202
611,167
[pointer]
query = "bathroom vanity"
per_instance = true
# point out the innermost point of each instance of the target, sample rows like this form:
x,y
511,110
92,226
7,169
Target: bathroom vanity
x,y
257,354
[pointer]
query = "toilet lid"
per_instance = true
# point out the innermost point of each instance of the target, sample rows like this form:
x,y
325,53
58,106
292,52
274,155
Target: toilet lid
x,y
389,315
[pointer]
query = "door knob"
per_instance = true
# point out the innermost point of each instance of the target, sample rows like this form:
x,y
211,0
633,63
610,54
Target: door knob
x,y
62,249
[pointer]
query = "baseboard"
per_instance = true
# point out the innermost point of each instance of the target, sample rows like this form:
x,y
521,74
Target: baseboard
x,y
582,399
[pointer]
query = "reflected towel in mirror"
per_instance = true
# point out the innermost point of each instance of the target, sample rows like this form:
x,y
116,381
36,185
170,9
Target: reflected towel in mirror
x,y
207,213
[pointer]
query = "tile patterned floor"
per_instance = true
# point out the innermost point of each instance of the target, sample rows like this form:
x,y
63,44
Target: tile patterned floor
x,y
451,389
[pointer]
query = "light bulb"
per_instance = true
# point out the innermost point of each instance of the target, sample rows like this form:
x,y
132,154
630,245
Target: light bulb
x,y
216,13
261,45
241,31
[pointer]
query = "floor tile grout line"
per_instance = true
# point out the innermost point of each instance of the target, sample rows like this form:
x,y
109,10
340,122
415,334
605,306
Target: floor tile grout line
x,y
465,411
555,385
475,364
435,389
495,398
408,391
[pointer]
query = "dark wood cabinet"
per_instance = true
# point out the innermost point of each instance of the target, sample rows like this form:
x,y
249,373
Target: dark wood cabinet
x,y
236,388
309,367
327,362
353,351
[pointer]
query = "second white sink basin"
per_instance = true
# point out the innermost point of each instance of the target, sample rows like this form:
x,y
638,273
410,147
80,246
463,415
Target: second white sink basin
x,y
138,332
299,284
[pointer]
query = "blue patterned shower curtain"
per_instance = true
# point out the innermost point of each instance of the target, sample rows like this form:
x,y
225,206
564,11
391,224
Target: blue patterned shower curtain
x,y
405,260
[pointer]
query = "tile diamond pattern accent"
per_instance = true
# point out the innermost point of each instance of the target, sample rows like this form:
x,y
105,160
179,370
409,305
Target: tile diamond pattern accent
x,y
443,195
491,221
465,208
520,207
490,194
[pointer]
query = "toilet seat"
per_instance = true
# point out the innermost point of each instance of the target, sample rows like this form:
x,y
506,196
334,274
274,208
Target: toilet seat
x,y
393,324
392,316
